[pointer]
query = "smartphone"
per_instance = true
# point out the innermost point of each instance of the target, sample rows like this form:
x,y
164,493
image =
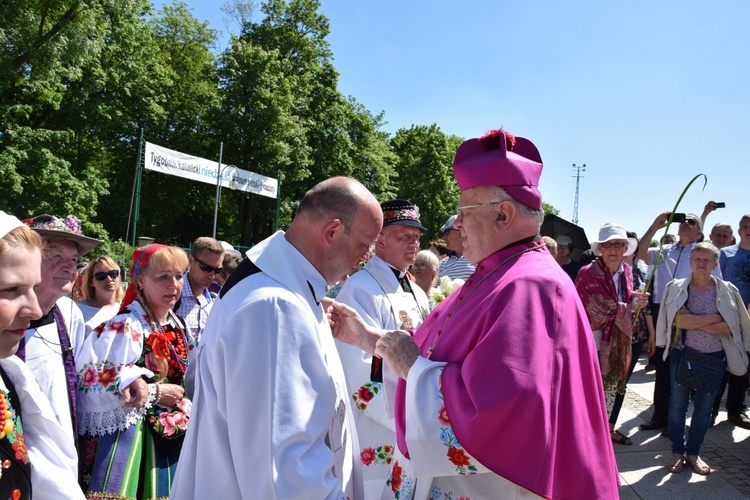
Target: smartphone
x,y
679,218
720,204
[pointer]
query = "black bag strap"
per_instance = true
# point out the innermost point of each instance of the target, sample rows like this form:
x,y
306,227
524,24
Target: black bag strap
x,y
683,332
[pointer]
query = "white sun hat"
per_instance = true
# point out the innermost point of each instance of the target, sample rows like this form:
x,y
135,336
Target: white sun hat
x,y
611,231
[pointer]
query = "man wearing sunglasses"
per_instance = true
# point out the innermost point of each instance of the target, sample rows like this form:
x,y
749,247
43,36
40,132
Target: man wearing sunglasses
x,y
675,265
455,266
206,256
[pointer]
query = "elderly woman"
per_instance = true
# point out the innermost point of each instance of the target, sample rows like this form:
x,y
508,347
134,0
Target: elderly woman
x,y
606,290
132,415
709,316
425,269
102,292
643,335
34,449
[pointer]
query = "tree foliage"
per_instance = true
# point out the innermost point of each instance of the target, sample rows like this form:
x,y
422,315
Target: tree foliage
x,y
284,117
425,155
80,78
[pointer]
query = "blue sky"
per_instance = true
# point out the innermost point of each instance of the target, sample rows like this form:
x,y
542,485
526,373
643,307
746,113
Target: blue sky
x,y
646,94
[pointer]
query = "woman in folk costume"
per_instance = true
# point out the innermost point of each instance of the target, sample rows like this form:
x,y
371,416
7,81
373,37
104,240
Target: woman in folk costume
x,y
38,457
606,290
132,415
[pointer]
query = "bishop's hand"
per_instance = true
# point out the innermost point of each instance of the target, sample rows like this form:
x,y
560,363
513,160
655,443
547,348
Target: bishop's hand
x,y
399,351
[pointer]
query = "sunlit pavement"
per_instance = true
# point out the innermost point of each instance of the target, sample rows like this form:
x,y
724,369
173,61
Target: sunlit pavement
x,y
642,466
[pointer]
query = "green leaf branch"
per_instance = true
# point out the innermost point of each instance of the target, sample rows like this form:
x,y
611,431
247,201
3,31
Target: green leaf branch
x,y
660,260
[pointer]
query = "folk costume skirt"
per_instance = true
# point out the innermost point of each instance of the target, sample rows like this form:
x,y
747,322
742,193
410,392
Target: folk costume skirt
x,y
129,464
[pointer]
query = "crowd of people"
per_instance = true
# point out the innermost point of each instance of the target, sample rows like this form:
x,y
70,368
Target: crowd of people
x,y
324,364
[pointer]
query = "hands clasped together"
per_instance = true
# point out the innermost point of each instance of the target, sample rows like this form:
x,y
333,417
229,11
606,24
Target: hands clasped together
x,y
136,394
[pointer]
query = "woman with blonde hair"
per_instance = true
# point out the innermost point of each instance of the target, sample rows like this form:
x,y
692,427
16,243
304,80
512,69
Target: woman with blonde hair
x,y
132,413
102,292
35,451
425,269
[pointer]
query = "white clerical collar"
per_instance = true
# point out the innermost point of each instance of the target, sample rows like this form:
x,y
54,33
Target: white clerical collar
x,y
398,272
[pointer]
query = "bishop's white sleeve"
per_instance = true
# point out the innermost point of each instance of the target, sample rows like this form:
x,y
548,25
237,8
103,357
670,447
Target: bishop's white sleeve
x,y
433,447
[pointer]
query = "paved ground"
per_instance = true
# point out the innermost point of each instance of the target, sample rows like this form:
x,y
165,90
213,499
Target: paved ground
x,y
643,471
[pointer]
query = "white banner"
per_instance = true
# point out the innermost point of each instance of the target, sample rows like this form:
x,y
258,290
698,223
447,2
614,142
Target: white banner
x,y
168,161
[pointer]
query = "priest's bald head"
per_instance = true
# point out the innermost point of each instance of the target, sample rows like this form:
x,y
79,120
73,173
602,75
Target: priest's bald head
x,y
498,175
336,224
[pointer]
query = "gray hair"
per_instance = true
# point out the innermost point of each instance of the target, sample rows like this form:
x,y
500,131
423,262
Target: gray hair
x,y
550,243
529,214
425,259
720,225
705,246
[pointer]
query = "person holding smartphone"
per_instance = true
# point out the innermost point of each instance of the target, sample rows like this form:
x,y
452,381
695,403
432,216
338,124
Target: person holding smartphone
x,y
721,233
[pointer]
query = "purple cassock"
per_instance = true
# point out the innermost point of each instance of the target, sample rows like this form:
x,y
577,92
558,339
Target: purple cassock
x,y
522,385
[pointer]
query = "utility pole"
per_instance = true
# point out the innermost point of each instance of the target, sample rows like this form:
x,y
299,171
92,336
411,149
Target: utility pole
x,y
578,169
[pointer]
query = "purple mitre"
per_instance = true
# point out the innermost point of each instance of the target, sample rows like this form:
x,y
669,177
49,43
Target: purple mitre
x,y
488,161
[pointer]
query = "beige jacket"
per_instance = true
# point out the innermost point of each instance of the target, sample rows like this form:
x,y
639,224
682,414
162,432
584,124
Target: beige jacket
x,y
730,306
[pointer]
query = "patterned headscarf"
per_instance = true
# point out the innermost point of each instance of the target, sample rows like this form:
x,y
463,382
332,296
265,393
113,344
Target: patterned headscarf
x,y
141,258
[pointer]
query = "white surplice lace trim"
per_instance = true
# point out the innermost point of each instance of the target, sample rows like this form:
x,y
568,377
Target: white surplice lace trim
x,y
118,419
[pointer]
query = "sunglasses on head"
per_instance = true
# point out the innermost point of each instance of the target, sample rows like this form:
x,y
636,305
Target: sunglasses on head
x,y
102,275
206,268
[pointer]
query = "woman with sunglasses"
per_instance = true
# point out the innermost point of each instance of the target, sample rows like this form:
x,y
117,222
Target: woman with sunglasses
x,y
606,290
102,292
38,457
132,413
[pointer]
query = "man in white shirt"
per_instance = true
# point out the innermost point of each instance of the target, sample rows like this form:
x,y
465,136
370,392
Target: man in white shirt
x,y
386,298
271,417
52,342
721,235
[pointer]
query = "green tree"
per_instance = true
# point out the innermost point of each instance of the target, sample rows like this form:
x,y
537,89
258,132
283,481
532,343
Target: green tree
x,y
282,116
186,67
549,209
43,44
425,177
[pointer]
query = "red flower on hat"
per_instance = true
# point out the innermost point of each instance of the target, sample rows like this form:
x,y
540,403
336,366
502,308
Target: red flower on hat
x,y
491,140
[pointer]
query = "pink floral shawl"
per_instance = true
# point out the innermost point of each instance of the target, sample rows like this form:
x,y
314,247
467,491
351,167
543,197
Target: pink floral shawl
x,y
606,313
